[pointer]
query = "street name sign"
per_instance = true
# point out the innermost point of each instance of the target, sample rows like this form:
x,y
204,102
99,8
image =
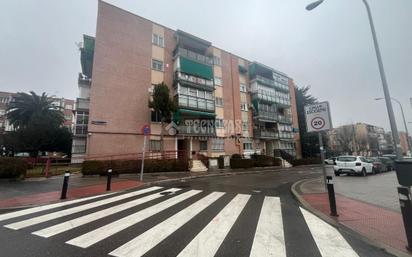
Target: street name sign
x,y
318,117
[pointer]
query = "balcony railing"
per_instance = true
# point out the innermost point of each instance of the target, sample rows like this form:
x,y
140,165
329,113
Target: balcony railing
x,y
272,83
285,135
196,103
194,80
82,103
265,115
192,55
262,95
285,119
268,134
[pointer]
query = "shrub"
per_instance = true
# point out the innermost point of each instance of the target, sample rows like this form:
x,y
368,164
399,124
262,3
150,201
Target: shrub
x,y
236,156
262,160
221,162
12,167
305,161
133,166
238,163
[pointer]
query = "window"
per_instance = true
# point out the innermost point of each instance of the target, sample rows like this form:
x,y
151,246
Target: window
x,y
218,81
247,146
219,101
203,145
218,144
201,94
155,116
157,40
157,65
243,107
184,90
209,95
192,92
219,123
243,87
155,145
216,61
69,107
245,126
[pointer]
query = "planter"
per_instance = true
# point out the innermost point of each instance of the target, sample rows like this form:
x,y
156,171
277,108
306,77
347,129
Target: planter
x,y
404,172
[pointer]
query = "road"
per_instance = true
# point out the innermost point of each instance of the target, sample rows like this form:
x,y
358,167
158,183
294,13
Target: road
x,y
245,215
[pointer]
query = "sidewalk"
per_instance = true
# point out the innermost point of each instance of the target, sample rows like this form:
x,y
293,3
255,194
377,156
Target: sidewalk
x,y
382,226
37,191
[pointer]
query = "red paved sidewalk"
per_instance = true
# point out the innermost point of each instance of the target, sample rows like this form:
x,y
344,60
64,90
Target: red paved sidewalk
x,y
371,221
72,193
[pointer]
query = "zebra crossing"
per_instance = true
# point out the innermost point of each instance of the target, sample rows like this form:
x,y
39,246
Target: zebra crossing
x,y
51,221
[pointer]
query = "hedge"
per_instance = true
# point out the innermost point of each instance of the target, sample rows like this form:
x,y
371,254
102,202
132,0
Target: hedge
x,y
12,167
133,166
264,160
238,163
306,161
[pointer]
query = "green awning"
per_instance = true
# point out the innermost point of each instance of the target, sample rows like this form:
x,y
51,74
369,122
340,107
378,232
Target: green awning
x,y
197,113
196,68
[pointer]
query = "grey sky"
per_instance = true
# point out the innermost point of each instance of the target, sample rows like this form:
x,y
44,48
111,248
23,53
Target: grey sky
x,y
329,48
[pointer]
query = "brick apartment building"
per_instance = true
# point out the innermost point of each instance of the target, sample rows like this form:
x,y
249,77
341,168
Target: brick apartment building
x,y
252,106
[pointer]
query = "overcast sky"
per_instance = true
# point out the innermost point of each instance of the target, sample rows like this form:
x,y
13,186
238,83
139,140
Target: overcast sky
x,y
329,48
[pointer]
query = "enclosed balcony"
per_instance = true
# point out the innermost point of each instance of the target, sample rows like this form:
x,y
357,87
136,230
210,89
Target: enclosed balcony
x,y
265,133
285,119
82,104
268,95
193,81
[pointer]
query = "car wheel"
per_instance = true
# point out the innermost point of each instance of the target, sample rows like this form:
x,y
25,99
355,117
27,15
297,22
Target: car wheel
x,y
337,174
374,171
364,172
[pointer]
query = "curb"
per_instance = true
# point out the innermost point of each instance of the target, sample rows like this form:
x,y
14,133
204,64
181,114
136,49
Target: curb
x,y
333,222
159,182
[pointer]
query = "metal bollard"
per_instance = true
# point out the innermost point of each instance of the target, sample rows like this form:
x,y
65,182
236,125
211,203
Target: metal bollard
x,y
406,209
65,185
109,179
332,198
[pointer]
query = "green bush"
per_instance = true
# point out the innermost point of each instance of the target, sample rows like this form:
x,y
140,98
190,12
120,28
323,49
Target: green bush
x,y
12,167
236,156
133,166
237,163
263,160
305,161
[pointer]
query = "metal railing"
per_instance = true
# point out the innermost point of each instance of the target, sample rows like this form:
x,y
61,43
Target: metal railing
x,y
192,55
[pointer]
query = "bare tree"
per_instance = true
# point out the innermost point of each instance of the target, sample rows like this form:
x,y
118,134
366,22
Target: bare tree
x,y
345,139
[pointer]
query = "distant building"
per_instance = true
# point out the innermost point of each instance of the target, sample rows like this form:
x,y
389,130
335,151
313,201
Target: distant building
x,y
5,99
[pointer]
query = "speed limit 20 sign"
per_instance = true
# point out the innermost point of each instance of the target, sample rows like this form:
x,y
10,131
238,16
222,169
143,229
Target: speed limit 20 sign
x,y
318,117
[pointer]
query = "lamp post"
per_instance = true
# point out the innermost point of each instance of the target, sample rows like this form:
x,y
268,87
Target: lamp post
x,y
404,121
389,107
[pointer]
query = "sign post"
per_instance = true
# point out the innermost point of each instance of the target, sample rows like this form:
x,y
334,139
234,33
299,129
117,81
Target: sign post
x,y
146,132
318,119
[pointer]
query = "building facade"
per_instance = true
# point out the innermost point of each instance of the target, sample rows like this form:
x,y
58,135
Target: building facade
x,y
225,104
404,143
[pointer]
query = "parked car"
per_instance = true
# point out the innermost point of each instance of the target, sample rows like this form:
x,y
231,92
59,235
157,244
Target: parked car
x,y
330,161
388,162
378,165
352,165
393,157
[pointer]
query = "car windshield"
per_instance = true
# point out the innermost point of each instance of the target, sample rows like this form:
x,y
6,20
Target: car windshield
x,y
346,158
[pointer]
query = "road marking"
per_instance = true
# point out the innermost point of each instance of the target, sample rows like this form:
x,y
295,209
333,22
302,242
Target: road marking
x,y
70,224
62,213
269,237
329,241
208,241
47,207
146,241
110,229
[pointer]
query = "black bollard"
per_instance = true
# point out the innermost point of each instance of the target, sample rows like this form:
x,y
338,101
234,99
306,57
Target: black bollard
x,y
406,209
109,179
332,198
65,185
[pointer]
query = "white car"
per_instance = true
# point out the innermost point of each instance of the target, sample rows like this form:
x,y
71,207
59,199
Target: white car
x,y
352,165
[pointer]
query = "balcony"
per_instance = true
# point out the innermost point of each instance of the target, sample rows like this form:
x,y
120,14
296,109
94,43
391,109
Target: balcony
x,y
196,103
270,98
194,81
272,83
285,119
266,116
193,56
285,135
82,104
265,134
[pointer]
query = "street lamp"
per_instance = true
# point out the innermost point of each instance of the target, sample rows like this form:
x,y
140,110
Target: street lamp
x,y
389,107
404,121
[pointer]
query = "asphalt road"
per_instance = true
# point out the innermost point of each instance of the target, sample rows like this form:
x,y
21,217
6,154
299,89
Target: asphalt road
x,y
246,215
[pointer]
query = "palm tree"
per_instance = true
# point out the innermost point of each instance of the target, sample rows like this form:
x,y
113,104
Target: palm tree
x,y
26,108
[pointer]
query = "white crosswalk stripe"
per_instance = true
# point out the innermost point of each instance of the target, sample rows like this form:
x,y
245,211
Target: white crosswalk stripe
x,y
59,228
143,243
110,229
207,242
59,214
16,214
269,237
329,241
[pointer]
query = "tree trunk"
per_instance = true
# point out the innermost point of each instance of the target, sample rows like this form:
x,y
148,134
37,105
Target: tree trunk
x,y
161,137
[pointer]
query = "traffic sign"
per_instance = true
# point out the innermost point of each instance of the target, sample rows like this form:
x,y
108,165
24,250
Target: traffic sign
x,y
146,129
318,117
